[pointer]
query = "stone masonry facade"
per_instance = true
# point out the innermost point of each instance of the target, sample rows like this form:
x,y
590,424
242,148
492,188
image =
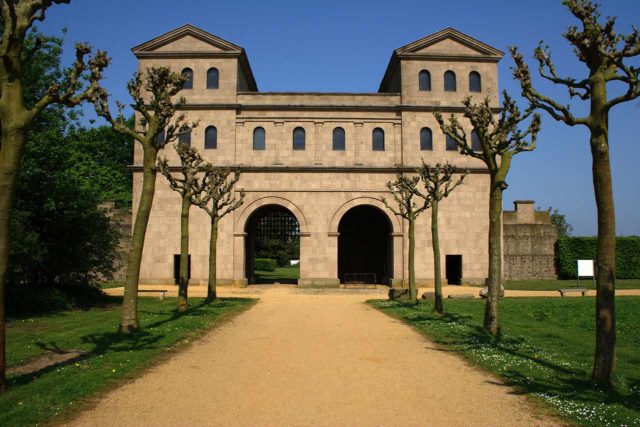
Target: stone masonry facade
x,y
319,184
529,243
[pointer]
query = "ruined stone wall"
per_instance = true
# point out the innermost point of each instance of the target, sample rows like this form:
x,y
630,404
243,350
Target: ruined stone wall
x,y
529,243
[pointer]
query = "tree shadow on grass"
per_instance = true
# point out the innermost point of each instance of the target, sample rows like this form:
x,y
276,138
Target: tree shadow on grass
x,y
567,382
109,342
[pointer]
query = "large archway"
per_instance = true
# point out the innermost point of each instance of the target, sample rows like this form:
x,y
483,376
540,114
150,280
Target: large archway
x,y
365,249
272,232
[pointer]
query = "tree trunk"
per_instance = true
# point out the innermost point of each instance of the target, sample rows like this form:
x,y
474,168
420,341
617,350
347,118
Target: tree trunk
x,y
491,324
183,280
10,157
437,273
213,242
605,352
413,292
129,321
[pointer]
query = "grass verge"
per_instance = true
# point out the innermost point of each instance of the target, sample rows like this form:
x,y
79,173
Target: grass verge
x,y
107,358
554,285
545,350
280,275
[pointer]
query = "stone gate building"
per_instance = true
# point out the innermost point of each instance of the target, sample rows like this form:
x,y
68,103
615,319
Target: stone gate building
x,y
325,158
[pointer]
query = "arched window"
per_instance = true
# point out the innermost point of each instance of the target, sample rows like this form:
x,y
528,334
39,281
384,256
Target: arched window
x,y
298,138
475,141
475,83
188,73
377,140
449,81
426,139
451,144
185,138
211,138
338,139
160,139
259,138
213,78
424,80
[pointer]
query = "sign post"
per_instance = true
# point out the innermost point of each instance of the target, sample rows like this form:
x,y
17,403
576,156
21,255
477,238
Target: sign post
x,y
586,269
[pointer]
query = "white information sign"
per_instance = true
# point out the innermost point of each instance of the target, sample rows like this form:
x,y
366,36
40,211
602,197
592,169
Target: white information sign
x,y
585,268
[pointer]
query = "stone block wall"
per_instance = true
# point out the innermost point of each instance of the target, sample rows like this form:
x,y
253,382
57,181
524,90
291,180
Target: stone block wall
x,y
529,243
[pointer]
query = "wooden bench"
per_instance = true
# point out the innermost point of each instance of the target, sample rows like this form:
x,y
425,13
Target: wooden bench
x,y
162,292
583,291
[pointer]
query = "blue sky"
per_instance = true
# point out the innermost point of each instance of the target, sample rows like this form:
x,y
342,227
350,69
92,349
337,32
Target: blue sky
x,y
344,46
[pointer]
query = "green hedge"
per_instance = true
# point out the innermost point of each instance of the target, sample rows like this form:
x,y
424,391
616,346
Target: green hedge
x,y
571,249
265,264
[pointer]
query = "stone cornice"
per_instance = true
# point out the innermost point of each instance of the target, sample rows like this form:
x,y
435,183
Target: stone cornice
x,y
442,57
329,107
318,169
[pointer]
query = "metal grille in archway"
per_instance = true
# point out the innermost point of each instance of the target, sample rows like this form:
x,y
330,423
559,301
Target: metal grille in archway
x,y
281,225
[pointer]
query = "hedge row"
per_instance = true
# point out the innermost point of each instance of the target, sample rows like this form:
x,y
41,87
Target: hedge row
x,y
571,249
265,264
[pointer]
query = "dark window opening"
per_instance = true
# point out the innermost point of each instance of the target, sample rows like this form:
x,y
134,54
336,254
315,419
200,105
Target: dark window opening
x,y
424,81
377,140
449,81
213,78
453,267
185,138
452,145
176,268
188,73
338,139
426,139
475,83
475,141
259,139
298,138
211,138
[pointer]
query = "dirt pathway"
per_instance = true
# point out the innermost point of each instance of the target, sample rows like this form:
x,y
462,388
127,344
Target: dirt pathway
x,y
301,358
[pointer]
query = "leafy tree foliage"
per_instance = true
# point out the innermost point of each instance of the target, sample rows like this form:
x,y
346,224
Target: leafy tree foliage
x,y
18,113
559,220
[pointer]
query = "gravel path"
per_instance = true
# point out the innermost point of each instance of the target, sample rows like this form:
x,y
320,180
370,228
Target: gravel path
x,y
301,358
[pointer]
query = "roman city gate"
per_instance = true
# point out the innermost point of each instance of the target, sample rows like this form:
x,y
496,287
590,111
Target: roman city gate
x,y
322,161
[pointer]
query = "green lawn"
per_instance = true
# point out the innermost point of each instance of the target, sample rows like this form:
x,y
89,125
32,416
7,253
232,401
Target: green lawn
x,y
546,350
280,274
112,284
554,285
110,357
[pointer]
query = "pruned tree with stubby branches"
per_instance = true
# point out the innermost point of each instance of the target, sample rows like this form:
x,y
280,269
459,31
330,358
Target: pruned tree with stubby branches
x,y
405,192
606,55
501,137
217,196
75,86
190,163
439,181
153,92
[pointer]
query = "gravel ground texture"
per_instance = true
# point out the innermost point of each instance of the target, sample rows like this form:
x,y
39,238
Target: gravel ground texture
x,y
313,358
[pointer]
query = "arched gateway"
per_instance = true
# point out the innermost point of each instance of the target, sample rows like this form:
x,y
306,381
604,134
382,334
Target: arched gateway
x,y
321,161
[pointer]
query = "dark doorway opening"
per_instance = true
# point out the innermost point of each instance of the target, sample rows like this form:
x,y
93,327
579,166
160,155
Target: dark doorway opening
x,y
273,233
176,268
454,269
365,250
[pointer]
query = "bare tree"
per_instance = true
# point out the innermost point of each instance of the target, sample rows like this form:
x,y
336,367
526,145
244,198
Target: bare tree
x,y
606,55
76,86
190,163
217,197
439,181
155,128
500,138
404,189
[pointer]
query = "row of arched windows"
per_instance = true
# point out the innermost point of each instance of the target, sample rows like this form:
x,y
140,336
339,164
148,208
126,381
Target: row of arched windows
x,y
213,78
299,139
424,81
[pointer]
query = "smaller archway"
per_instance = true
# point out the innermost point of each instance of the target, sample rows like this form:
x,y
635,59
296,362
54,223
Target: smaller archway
x,y
365,246
272,233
